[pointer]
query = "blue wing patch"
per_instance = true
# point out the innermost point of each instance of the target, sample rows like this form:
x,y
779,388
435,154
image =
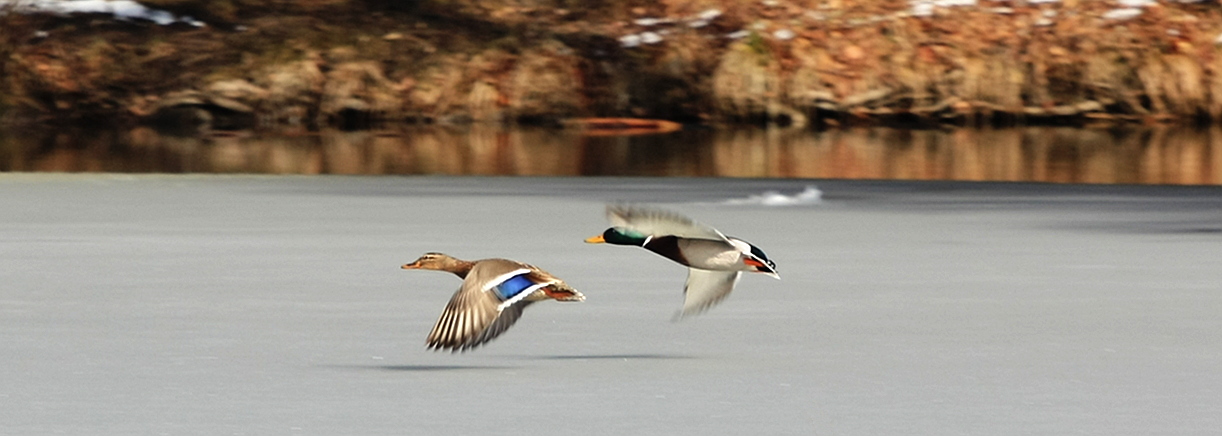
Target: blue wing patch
x,y
513,286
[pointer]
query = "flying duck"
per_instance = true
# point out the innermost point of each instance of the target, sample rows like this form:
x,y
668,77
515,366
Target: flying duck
x,y
714,260
490,300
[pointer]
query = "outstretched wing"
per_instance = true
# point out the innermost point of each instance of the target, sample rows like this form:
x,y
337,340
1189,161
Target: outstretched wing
x,y
659,222
509,316
705,289
464,319
489,301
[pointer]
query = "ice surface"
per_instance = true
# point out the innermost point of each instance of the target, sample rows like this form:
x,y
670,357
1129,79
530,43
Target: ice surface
x,y
275,305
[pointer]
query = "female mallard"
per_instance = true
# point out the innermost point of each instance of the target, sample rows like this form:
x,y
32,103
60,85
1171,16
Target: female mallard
x,y
490,300
714,260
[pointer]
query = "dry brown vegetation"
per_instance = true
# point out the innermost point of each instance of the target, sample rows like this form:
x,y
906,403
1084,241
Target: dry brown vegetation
x,y
351,62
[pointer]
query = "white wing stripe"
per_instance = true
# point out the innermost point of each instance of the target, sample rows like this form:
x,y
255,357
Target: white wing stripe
x,y
521,296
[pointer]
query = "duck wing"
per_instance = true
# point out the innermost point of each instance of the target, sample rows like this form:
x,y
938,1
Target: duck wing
x,y
705,289
660,222
489,301
509,315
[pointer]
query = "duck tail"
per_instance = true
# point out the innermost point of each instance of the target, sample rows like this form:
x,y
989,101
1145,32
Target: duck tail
x,y
560,291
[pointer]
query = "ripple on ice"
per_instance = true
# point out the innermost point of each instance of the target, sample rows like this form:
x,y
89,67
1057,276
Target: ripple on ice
x,y
810,195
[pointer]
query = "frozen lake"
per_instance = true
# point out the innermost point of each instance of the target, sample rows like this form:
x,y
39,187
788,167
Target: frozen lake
x,y
275,305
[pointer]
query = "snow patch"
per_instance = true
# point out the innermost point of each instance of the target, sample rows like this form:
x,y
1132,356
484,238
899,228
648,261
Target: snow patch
x,y
953,3
121,9
784,34
710,14
1121,14
738,35
651,38
924,8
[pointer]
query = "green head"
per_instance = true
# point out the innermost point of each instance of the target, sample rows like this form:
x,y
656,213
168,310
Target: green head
x,y
619,236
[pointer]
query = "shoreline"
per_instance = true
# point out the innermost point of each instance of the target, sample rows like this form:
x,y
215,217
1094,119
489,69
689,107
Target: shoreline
x,y
1127,155
850,63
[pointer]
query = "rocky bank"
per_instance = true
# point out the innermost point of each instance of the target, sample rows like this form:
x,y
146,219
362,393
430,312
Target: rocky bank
x,y
237,64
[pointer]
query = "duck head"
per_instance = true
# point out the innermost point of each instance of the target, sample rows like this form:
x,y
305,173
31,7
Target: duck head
x,y
619,236
440,262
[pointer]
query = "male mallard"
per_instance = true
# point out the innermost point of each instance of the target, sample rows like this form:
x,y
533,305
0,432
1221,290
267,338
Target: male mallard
x,y
490,300
714,260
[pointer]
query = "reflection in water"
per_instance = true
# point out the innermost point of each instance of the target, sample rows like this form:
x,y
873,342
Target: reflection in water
x,y
1156,155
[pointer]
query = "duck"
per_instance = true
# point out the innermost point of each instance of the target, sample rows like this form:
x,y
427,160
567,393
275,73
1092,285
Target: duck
x,y
715,261
490,300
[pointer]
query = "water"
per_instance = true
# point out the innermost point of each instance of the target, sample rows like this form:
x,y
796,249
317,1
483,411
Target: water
x,y
1146,155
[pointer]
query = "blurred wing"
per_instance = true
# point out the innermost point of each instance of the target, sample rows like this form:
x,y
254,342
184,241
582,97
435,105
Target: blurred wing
x,y
659,222
705,289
